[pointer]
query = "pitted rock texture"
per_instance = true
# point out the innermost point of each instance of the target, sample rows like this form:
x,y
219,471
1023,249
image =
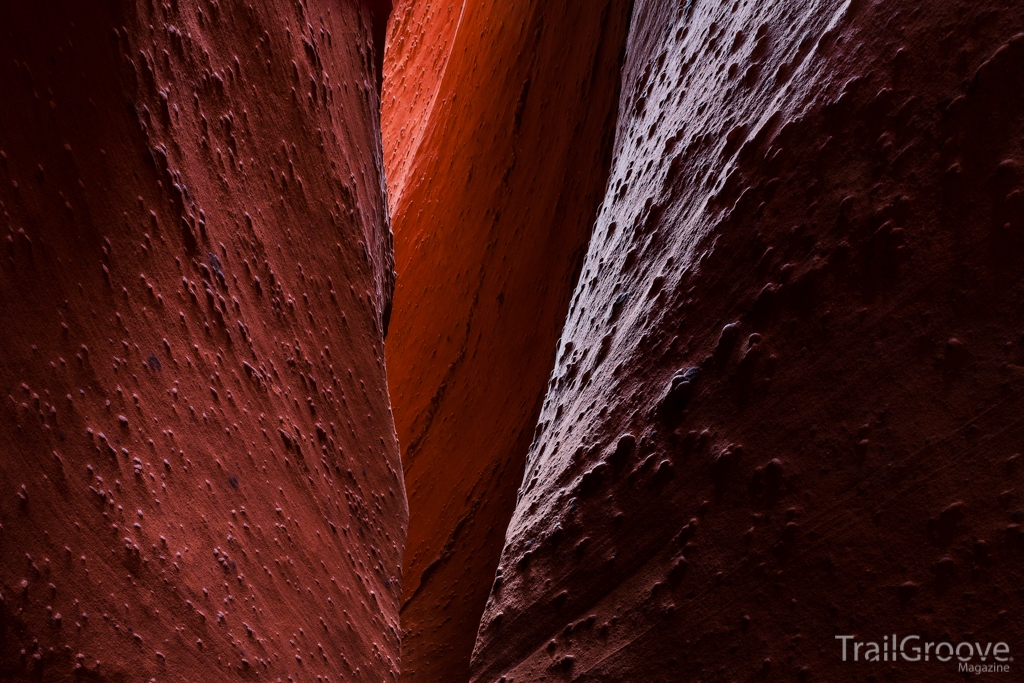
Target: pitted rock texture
x,y
498,124
200,476
787,398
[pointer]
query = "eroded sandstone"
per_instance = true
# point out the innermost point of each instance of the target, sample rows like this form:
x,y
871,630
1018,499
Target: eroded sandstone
x,y
498,121
785,402
200,477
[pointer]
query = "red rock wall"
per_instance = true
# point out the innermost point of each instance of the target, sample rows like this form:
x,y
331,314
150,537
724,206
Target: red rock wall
x,y
200,477
787,398
497,135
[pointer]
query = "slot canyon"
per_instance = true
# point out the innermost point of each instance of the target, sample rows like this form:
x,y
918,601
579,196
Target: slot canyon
x,y
502,342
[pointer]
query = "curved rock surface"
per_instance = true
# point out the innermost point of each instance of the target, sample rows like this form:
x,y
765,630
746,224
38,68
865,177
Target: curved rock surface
x,y
498,123
784,405
200,476
786,401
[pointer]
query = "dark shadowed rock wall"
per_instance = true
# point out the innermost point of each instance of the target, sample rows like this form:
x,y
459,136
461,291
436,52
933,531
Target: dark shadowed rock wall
x,y
787,397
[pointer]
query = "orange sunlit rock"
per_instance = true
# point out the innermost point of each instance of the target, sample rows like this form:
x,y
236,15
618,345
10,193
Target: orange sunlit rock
x,y
497,135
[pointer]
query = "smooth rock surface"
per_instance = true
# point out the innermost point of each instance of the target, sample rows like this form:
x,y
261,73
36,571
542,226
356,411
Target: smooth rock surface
x,y
498,122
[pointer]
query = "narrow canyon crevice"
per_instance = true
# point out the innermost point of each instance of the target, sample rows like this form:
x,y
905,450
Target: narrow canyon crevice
x,y
701,320
497,136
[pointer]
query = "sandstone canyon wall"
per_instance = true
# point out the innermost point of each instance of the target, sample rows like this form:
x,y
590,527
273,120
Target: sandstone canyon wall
x,y
200,473
498,122
787,397
705,343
